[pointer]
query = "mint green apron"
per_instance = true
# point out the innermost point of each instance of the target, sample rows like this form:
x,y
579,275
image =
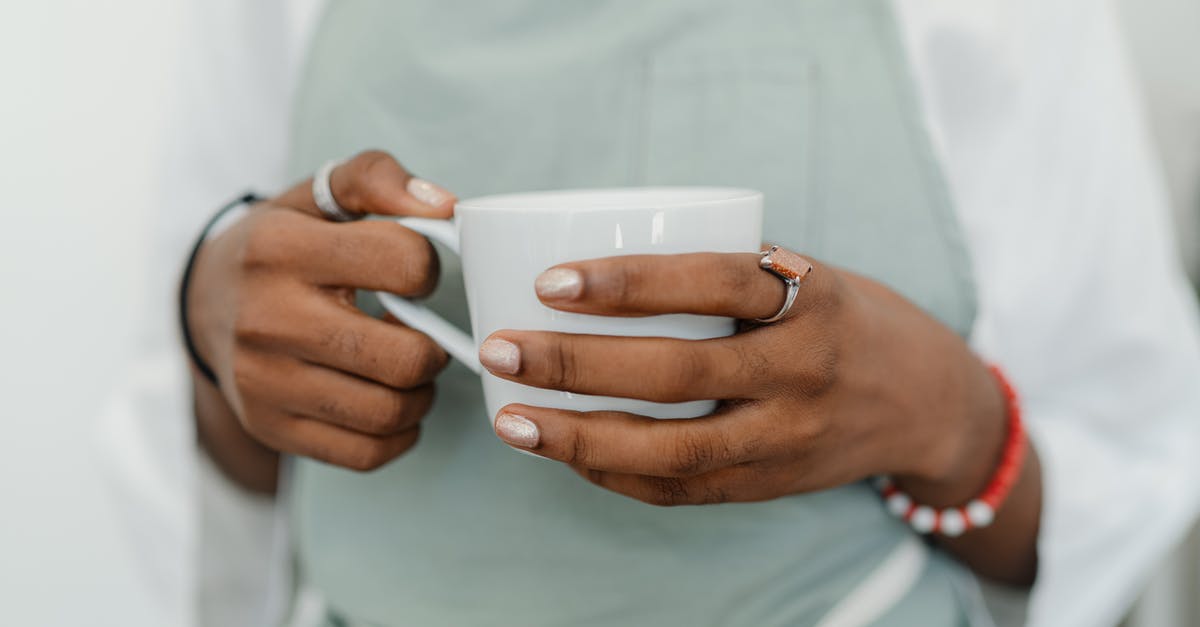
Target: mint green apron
x,y
809,101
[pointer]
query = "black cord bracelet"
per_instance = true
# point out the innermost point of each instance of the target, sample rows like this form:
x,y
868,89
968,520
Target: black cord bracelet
x,y
193,354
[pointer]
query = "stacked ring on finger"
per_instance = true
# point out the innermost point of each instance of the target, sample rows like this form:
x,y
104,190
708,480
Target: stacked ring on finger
x,y
323,195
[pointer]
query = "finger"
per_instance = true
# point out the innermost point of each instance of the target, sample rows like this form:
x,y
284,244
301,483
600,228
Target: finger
x,y
718,284
373,254
324,332
344,400
374,182
727,485
658,369
298,435
628,443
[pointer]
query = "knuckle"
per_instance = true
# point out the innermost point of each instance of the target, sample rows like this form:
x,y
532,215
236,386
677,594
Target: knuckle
x,y
714,495
833,287
254,421
424,360
378,418
666,491
436,359
246,374
692,454
744,450
250,325
826,297
626,283
342,340
750,362
391,415
418,402
595,477
372,161
564,373
820,373
371,167
371,155
395,413
398,372
421,266
563,369
805,439
578,451
331,408
368,456
412,264
263,247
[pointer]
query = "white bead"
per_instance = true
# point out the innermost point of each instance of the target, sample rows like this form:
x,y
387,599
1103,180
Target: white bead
x,y
898,504
952,523
979,513
924,519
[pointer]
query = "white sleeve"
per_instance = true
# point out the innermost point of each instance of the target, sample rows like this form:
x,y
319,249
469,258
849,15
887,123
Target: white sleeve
x,y
215,554
1082,298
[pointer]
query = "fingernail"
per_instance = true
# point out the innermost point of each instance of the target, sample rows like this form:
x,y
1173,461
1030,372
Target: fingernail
x,y
517,430
559,284
428,193
500,355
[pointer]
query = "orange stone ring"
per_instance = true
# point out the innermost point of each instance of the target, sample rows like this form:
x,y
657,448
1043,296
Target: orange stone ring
x,y
790,267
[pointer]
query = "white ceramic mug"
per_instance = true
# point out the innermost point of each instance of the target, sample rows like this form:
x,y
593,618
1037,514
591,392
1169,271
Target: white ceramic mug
x,y
506,241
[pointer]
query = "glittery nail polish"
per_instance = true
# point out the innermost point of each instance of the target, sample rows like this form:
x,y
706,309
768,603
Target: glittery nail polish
x,y
427,192
559,284
517,430
500,355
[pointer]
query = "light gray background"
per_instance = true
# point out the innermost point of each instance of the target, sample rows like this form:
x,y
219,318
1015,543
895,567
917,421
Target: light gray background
x,y
80,88
82,95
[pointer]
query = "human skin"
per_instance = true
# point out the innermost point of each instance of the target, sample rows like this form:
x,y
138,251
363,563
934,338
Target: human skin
x,y
300,369
856,381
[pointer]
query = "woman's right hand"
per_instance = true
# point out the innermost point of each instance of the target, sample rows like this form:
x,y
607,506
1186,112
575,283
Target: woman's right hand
x,y
300,368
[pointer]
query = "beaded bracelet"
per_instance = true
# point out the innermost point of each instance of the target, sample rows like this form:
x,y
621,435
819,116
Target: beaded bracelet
x,y
980,511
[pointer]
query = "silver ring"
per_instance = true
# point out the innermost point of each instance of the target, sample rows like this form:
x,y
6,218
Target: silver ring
x,y
791,269
793,287
323,195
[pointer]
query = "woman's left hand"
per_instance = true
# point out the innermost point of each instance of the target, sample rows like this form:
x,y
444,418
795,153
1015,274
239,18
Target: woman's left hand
x,y
854,381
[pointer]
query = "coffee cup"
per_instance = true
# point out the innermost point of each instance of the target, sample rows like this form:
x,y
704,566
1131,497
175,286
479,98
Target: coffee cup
x,y
506,241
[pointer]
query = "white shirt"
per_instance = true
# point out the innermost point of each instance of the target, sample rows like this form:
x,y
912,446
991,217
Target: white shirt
x,y
1082,298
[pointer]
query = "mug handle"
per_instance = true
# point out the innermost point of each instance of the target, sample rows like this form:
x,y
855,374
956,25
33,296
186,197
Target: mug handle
x,y
458,343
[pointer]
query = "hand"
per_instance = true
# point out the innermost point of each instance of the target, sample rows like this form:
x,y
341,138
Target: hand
x,y
855,381
272,311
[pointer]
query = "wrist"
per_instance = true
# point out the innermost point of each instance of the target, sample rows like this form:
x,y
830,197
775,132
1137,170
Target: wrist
x,y
975,440
238,455
220,222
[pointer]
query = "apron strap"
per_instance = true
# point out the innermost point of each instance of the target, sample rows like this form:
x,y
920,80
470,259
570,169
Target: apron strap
x,y
880,591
